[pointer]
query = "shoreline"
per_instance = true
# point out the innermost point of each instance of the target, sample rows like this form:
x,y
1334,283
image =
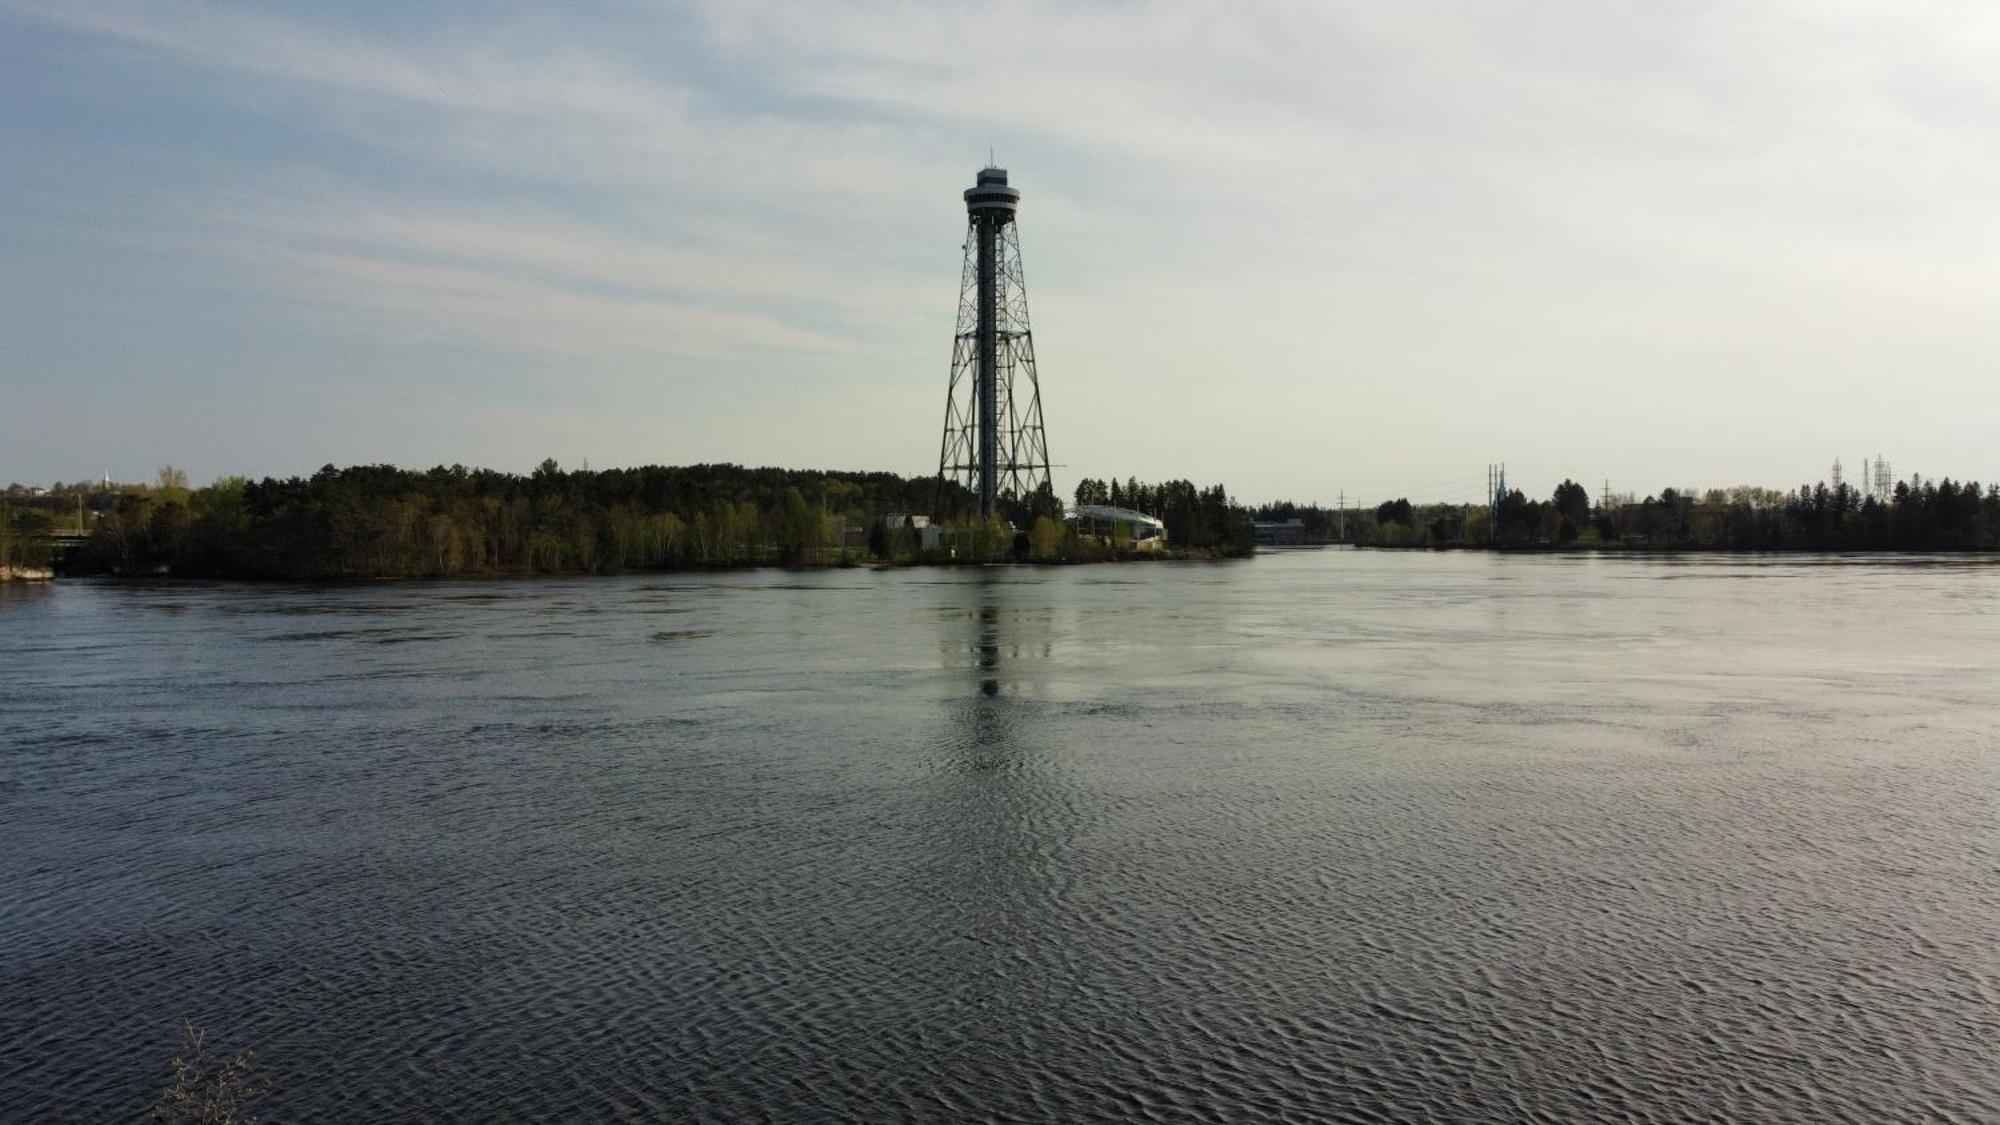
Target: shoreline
x,y
517,574
1656,549
46,574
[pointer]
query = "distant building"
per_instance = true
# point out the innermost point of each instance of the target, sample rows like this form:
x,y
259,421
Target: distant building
x,y
1291,533
1106,522
897,521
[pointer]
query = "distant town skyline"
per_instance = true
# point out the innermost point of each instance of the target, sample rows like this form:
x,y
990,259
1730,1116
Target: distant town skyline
x,y
1298,248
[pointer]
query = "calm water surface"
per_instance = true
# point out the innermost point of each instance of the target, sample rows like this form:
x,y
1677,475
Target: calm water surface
x,y
1321,836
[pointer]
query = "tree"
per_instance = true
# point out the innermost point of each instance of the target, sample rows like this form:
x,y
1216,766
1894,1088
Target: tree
x,y
989,537
1572,503
1478,526
1516,519
1046,539
1396,511
798,529
1043,503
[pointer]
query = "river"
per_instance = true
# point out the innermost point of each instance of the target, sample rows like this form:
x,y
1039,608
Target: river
x,y
1329,835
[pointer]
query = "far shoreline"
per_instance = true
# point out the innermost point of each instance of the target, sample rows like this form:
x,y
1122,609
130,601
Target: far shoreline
x,y
527,573
1657,549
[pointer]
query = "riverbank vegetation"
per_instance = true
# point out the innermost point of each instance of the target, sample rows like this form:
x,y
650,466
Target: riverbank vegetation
x,y
1914,515
379,521
27,533
24,539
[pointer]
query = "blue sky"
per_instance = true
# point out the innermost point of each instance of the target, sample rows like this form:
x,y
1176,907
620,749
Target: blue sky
x,y
1294,247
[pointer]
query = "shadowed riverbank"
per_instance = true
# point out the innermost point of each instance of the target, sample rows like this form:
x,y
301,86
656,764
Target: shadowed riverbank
x,y
384,522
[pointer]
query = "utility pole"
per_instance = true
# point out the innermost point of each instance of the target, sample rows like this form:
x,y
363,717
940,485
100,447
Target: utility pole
x,y
1496,491
1343,515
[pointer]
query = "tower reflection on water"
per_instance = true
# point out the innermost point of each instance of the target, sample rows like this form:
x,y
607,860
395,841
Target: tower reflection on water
x,y
999,820
989,646
988,737
1013,627
990,717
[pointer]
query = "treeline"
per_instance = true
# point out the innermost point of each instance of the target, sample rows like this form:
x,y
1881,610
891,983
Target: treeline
x,y
1202,519
1916,515
382,521
29,517
1321,525
379,521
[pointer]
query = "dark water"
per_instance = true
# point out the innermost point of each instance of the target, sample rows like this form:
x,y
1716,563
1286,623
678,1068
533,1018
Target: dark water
x,y
1328,836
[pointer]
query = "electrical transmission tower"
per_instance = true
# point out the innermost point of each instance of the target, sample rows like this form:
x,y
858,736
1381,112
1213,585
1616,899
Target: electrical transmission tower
x,y
1496,495
993,439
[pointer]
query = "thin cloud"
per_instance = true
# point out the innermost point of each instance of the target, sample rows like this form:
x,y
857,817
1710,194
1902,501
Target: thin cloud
x,y
495,308
490,74
1465,218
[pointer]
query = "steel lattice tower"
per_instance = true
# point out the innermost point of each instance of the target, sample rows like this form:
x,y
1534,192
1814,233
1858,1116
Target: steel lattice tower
x,y
993,439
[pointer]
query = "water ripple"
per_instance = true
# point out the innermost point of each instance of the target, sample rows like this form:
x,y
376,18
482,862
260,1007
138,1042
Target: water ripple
x,y
1327,837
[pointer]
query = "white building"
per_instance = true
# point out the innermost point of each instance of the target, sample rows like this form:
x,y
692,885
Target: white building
x,y
1105,521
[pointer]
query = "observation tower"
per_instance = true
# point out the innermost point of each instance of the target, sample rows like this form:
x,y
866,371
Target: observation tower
x,y
993,439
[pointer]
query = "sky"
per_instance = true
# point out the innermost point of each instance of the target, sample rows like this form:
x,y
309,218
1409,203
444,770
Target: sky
x,y
1304,249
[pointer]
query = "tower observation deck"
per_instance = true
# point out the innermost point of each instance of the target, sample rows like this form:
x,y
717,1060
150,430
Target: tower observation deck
x,y
993,439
